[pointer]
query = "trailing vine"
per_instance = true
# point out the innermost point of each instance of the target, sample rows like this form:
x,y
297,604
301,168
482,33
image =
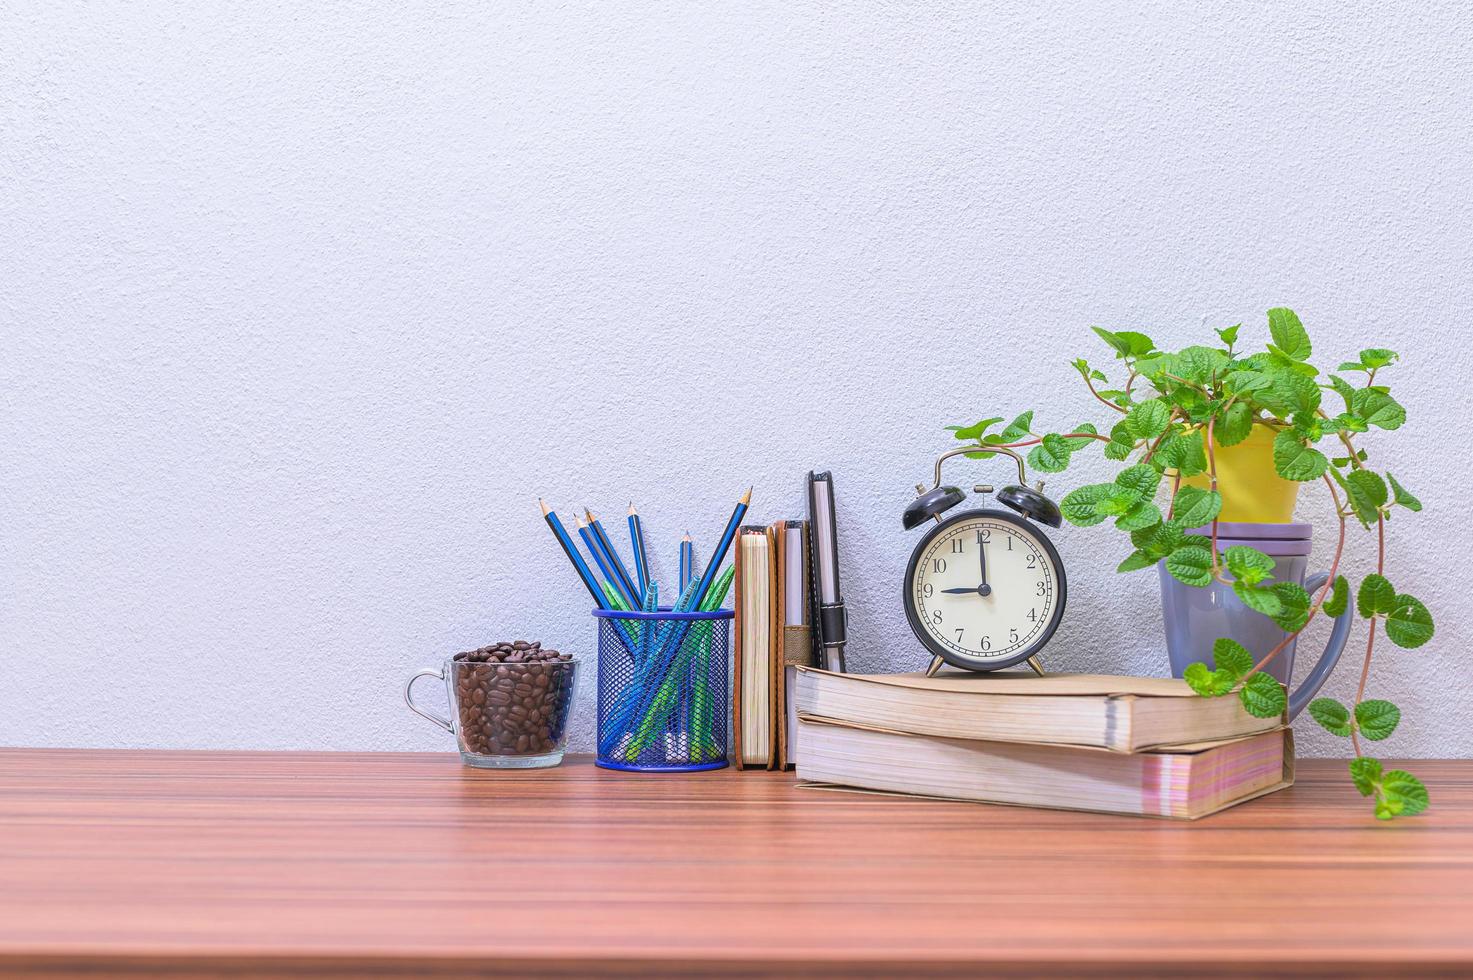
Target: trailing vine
x,y
1175,409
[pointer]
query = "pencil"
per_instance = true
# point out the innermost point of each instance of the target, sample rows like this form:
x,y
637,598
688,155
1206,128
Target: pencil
x,y
687,561
718,555
584,572
623,580
571,550
600,558
641,561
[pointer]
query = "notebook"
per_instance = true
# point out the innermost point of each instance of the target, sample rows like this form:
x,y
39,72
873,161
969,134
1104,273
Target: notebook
x,y
772,636
1186,782
1121,714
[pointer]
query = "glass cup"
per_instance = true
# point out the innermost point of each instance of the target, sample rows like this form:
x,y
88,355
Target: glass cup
x,y
505,715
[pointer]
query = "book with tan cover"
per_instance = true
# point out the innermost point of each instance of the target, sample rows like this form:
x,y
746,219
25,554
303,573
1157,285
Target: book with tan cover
x,y
1122,714
1186,782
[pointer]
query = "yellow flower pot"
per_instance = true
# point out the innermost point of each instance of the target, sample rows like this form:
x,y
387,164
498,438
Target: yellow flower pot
x,y
1252,490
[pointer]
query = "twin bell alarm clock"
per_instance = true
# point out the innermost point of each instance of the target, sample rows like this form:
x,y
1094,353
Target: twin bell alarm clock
x,y
985,587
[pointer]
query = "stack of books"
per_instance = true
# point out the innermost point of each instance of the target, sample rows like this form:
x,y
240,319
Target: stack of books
x,y
1135,745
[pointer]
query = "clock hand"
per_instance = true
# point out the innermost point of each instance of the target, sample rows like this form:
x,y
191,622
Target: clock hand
x,y
957,591
982,551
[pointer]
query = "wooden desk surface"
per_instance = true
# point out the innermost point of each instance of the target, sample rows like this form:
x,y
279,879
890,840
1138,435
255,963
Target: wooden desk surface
x,y
177,864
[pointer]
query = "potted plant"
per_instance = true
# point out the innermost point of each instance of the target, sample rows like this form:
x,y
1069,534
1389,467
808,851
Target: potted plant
x,y
1209,434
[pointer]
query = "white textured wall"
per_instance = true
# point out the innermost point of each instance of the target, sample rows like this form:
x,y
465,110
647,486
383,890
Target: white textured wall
x,y
303,305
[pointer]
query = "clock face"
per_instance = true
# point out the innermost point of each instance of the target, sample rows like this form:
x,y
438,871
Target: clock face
x,y
985,590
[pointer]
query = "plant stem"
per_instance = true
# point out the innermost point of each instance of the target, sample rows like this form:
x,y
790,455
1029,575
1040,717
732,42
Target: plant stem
x,y
1365,668
1212,476
1101,398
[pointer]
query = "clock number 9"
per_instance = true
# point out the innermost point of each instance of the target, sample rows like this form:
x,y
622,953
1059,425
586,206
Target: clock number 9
x,y
928,590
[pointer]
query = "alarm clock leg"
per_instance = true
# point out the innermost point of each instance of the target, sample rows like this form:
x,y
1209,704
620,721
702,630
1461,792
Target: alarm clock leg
x,y
936,664
1037,667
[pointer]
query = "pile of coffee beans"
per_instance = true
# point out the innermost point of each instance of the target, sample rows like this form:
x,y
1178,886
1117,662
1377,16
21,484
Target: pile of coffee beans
x,y
513,698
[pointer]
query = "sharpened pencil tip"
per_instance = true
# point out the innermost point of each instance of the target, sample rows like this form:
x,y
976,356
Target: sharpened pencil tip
x,y
579,521
589,514
543,504
632,511
747,497
687,537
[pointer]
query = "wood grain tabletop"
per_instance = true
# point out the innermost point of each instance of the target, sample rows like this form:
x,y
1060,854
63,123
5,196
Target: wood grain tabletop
x,y
324,864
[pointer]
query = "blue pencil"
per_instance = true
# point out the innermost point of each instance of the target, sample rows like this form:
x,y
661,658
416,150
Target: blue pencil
x,y
626,581
584,572
641,561
687,562
601,559
718,555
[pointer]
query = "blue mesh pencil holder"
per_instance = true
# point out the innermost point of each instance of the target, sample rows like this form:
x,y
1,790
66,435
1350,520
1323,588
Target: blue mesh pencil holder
x,y
662,690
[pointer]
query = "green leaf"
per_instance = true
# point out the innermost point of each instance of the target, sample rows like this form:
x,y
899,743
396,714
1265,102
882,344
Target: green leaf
x,y
1078,506
1148,419
1263,696
1289,392
1231,656
1295,461
1331,715
1229,335
1258,598
1339,596
1143,514
1159,540
1208,683
1366,773
1376,596
1403,496
1135,561
975,430
1377,357
1377,719
1199,364
1120,501
1295,606
1403,793
1248,565
1018,427
1196,507
1127,343
1378,408
1245,382
1191,565
1409,624
1369,487
1138,344
1141,479
1235,425
1184,453
1076,444
1289,334
1051,455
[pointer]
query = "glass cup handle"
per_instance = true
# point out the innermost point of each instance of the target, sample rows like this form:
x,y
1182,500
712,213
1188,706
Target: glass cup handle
x,y
409,698
1311,684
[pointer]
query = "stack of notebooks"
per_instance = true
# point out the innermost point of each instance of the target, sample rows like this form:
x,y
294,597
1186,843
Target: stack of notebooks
x,y
772,636
1135,745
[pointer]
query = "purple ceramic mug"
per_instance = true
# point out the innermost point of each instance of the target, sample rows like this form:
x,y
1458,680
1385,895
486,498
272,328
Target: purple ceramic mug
x,y
1196,617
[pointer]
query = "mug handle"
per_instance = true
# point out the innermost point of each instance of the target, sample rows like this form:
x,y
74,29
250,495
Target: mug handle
x,y
409,698
1311,685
